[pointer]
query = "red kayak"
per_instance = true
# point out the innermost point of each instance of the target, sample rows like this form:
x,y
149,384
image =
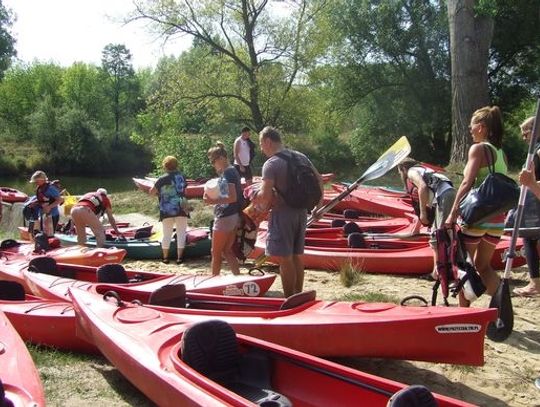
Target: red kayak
x,y
392,256
84,256
176,363
371,201
332,329
52,281
363,329
195,187
20,378
12,195
41,321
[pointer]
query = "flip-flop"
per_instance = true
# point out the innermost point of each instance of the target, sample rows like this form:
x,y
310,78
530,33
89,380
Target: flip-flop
x,y
524,292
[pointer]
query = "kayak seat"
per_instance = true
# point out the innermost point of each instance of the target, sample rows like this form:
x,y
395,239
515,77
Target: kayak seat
x,y
351,214
298,299
47,265
356,241
8,244
338,223
11,291
349,228
4,401
113,273
211,348
171,295
142,234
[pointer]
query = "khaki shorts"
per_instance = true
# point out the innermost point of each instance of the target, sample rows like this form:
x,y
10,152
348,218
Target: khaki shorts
x,y
226,223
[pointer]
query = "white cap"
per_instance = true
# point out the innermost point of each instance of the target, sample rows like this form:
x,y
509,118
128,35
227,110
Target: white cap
x,y
102,191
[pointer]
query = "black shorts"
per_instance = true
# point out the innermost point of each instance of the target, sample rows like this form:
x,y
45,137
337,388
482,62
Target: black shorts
x,y
247,174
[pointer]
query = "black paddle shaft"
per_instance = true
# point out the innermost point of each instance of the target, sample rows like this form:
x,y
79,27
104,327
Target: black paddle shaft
x,y
501,329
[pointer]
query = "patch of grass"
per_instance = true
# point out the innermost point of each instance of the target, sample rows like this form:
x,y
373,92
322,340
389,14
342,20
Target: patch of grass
x,y
73,379
134,202
349,275
202,214
464,368
369,297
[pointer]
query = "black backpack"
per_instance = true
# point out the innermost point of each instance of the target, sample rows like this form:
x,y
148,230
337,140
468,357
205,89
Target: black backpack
x,y
303,187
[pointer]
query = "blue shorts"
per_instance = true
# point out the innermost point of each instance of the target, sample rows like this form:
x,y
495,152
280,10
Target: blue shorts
x,y
286,232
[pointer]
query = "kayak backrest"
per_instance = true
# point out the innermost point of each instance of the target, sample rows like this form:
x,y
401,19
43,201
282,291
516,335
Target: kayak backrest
x,y
351,214
356,241
298,299
11,291
8,244
350,227
338,223
44,264
142,234
170,295
112,273
211,348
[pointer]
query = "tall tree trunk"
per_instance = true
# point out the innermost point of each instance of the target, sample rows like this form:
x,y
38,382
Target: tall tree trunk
x,y
470,40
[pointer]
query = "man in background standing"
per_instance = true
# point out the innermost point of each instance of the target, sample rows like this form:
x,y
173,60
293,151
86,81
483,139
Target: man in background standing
x,y
244,150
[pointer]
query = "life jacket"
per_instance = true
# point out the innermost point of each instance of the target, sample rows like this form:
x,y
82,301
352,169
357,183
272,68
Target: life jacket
x,y
455,268
432,180
42,190
97,202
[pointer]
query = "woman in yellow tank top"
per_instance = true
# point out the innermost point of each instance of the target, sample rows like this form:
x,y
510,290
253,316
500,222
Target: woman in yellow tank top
x,y
480,239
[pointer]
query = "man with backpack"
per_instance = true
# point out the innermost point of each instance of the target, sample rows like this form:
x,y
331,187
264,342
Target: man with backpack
x,y
290,186
244,151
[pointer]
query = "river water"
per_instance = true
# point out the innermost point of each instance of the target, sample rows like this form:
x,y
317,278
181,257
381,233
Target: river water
x,y
74,185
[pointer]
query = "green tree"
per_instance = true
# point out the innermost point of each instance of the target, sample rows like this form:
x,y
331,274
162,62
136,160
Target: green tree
x,y
392,76
116,63
83,88
255,56
7,42
22,89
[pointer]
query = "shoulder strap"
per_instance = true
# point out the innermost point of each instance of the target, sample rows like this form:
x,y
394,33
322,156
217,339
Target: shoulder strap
x,y
491,167
287,155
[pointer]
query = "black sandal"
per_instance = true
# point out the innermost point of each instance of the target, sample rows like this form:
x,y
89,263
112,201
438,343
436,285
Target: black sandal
x,y
165,261
179,261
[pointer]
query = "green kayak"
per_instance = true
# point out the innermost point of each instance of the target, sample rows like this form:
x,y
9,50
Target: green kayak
x,y
198,244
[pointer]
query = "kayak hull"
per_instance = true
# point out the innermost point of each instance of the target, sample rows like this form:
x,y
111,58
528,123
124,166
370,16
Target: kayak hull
x,y
11,195
82,277
144,249
83,256
145,345
46,323
390,256
20,377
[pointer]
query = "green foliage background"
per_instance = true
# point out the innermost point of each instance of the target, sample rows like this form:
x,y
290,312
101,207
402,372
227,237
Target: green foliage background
x,y
351,77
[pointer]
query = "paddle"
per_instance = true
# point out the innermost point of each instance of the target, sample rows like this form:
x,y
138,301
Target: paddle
x,y
502,328
390,158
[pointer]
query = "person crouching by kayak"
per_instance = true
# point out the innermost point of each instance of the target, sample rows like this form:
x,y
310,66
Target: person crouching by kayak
x,y
87,211
432,195
48,198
